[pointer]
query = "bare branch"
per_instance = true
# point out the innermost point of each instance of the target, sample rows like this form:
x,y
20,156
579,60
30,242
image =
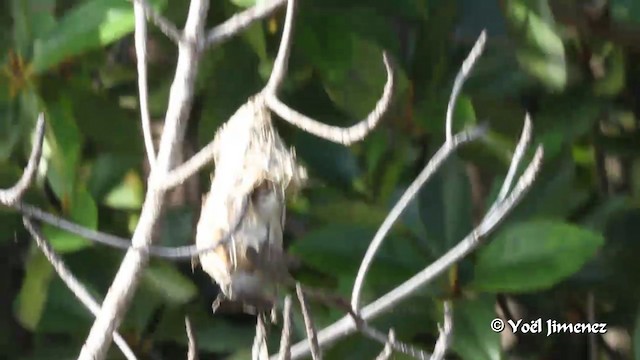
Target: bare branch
x,y
308,323
282,59
241,21
388,348
432,166
141,61
126,280
12,195
346,325
259,350
444,339
166,26
523,143
192,352
72,283
468,63
187,169
345,136
285,339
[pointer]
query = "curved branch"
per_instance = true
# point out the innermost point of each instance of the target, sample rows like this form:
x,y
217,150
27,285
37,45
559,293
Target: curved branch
x,y
12,195
345,136
282,59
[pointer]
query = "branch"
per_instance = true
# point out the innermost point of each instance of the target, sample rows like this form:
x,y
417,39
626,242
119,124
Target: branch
x,y
444,340
282,59
468,63
285,339
72,283
166,26
141,61
312,335
126,280
346,325
259,350
388,348
192,353
12,195
432,166
240,21
345,136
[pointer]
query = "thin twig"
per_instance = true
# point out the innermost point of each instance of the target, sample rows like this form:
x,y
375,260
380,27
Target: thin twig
x,y
346,325
12,195
72,283
312,335
285,338
282,59
468,63
523,143
446,333
126,280
432,166
140,37
259,350
360,324
388,348
166,26
190,167
345,136
237,23
192,352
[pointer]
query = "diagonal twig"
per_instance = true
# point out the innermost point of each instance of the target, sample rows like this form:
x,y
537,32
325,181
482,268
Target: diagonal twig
x,y
312,335
446,333
432,166
467,65
72,282
166,26
346,325
282,58
235,24
12,195
140,37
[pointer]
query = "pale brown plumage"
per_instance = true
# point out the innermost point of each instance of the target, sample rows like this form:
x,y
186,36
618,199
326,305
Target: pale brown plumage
x,y
254,170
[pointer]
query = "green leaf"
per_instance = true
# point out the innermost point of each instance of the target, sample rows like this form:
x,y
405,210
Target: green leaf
x,y
625,11
87,26
243,3
107,171
472,336
129,194
83,211
169,283
63,143
33,293
31,19
445,206
540,48
533,255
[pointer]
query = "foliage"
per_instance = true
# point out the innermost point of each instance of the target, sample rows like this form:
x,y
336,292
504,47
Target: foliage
x,y
572,65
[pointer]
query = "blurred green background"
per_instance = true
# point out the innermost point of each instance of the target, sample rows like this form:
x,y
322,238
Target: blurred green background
x,y
573,65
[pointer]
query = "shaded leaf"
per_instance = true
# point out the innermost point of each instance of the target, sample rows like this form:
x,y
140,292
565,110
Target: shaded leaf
x,y
169,283
533,256
87,26
33,293
472,336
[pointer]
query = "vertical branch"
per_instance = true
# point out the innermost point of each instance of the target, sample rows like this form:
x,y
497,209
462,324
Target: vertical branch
x,y
259,350
446,332
141,61
126,280
285,339
192,352
282,59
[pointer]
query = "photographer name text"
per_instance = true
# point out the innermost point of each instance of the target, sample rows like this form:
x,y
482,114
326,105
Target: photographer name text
x,y
550,327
